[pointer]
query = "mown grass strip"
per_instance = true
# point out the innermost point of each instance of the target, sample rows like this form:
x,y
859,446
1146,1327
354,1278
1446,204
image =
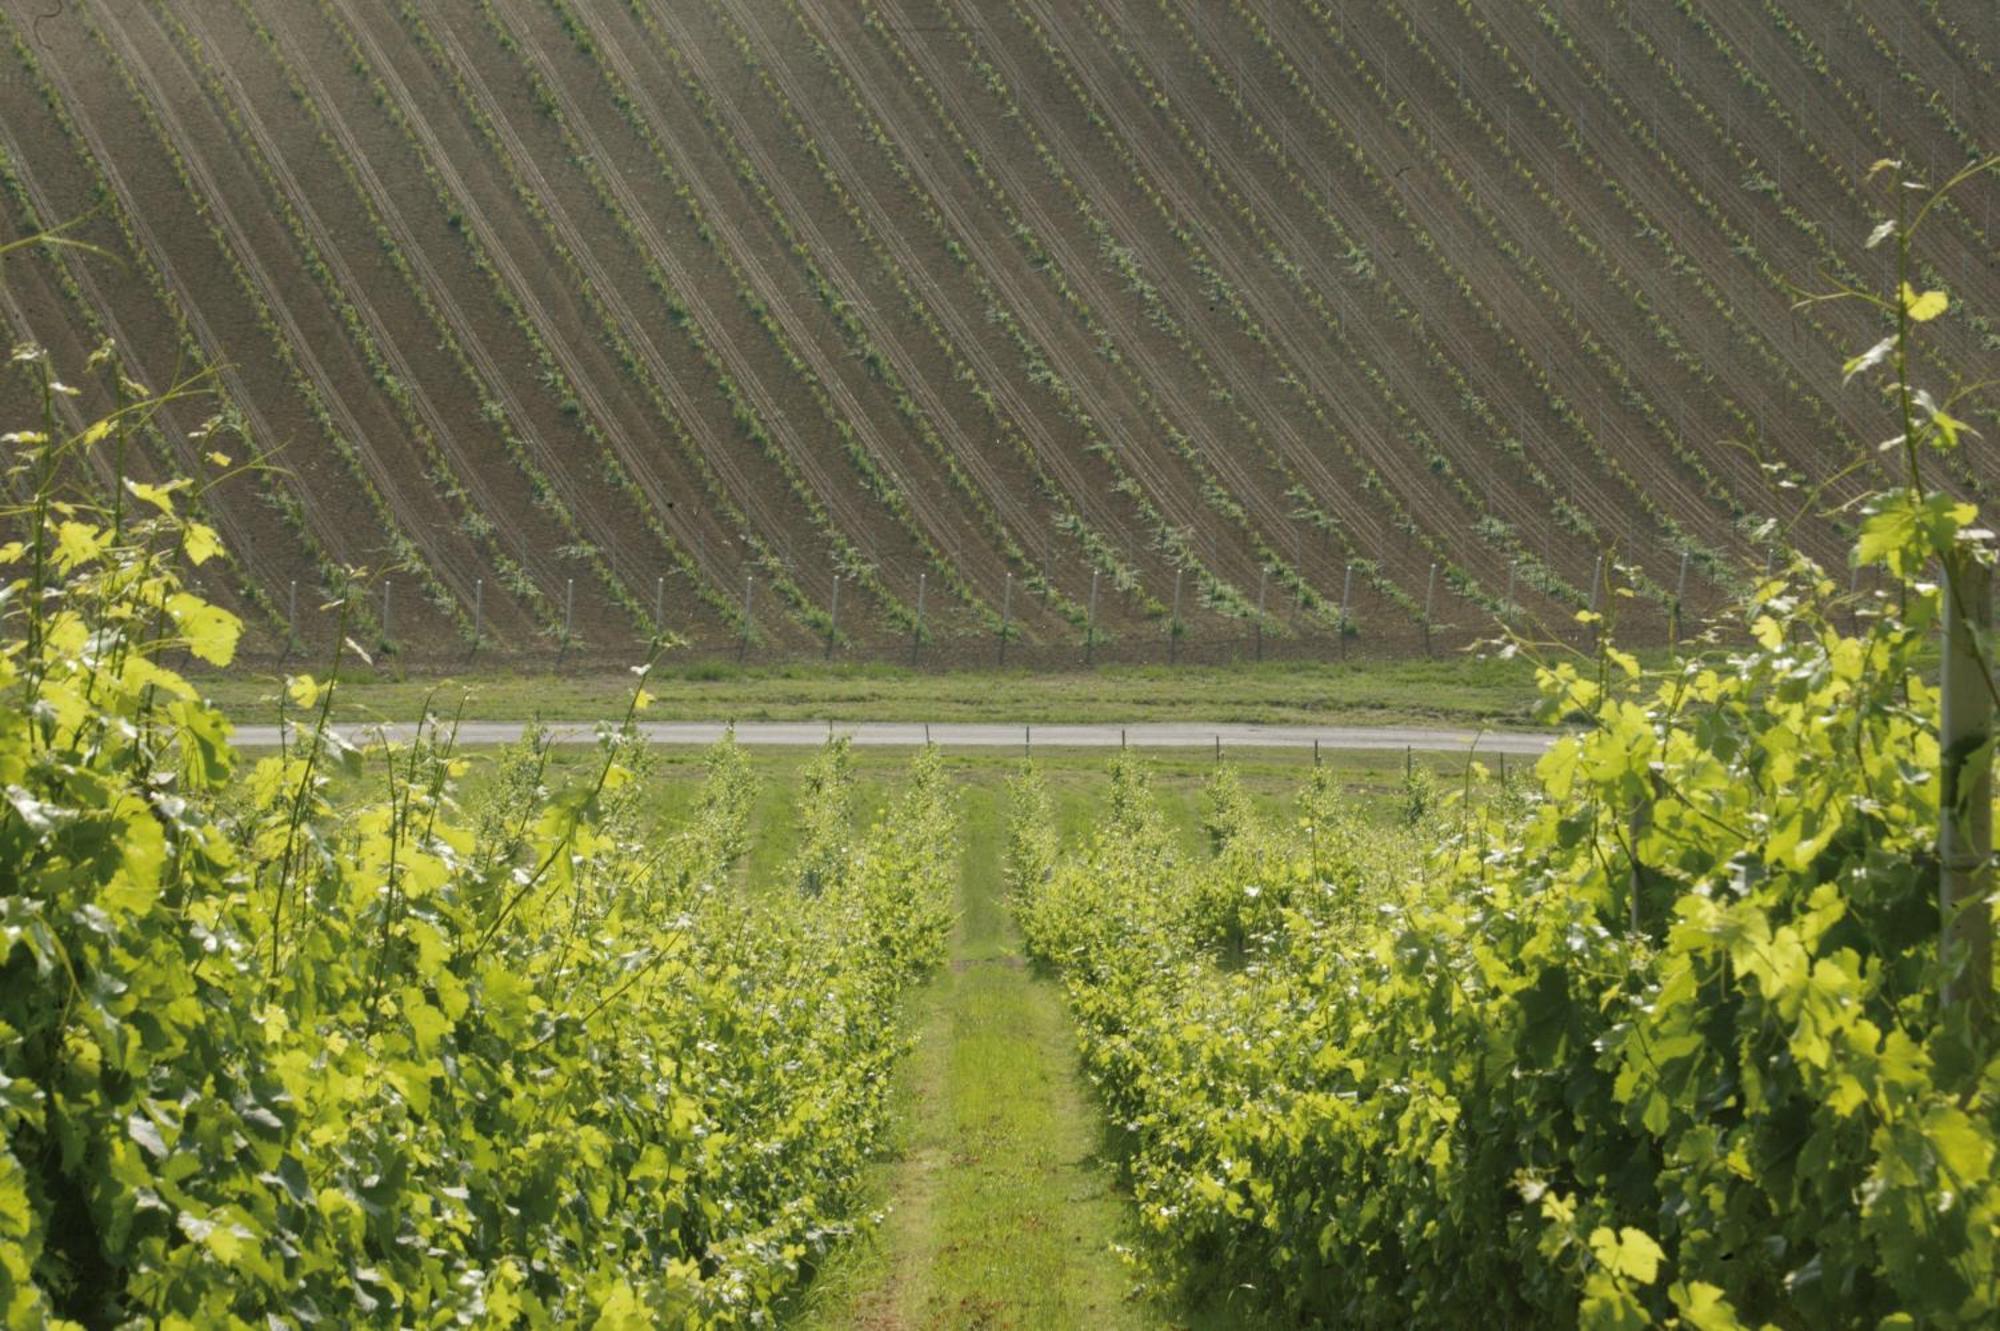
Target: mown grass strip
x,y
1001,1214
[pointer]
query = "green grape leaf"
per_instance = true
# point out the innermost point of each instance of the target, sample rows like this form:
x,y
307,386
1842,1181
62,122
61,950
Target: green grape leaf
x,y
211,631
1925,307
1630,1253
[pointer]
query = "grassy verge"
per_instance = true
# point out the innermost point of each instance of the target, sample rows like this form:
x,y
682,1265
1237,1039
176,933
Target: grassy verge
x,y
1453,691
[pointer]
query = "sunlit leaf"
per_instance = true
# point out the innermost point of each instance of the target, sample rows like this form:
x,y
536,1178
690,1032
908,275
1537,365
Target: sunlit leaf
x,y
1868,359
1925,307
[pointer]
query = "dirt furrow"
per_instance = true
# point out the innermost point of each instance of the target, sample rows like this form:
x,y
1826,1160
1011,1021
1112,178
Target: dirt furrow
x,y
1738,401
1235,228
422,528
1603,310
508,617
1401,347
340,523
1166,380
560,487
904,348
1515,362
845,513
1441,513
921,524
1077,365
905,268
1760,313
251,530
563,338
1051,449
1246,361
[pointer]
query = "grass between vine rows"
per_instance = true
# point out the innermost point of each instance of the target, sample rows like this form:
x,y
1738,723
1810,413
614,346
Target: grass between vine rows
x,y
1002,1205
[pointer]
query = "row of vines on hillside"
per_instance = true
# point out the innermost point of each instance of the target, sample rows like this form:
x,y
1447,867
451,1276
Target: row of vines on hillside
x,y
364,1034
1691,1031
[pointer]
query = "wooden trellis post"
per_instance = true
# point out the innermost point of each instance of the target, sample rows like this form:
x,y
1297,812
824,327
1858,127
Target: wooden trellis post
x,y
1263,578
1965,809
833,618
1346,599
1006,615
1090,623
1430,603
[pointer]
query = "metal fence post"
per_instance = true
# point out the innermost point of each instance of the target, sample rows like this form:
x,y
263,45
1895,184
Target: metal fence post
x,y
1174,627
478,612
743,643
917,629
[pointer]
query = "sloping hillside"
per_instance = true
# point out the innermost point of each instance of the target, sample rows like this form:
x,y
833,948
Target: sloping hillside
x,y
769,322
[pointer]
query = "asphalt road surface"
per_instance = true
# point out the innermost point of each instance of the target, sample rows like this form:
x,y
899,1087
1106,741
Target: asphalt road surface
x,y
988,735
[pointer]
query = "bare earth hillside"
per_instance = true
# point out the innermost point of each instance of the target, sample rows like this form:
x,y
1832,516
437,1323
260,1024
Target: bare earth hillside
x,y
879,325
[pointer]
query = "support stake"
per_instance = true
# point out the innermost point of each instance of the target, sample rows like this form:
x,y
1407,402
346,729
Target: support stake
x,y
1346,599
917,629
743,643
833,618
1263,577
1090,623
478,613
1430,602
1965,811
1006,615
1680,594
1596,585
1174,627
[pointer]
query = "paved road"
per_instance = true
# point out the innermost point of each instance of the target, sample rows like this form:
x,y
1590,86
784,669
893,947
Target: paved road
x,y
992,735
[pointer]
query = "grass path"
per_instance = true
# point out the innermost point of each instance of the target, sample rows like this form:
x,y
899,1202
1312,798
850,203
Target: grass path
x,y
1000,1214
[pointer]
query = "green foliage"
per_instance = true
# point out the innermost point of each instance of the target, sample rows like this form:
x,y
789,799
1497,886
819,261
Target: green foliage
x,y
1659,1043
304,1040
